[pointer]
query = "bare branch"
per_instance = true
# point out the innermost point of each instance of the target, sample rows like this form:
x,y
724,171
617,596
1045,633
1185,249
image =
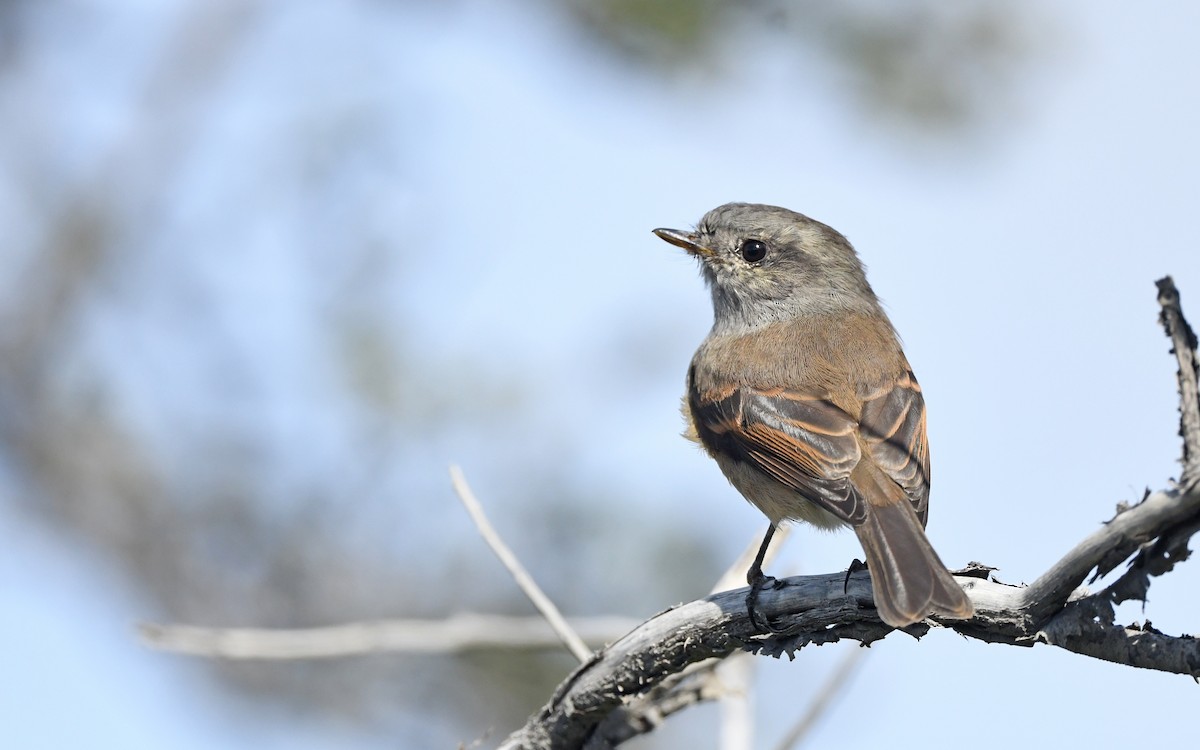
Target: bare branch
x,y
643,714
668,643
569,638
1108,547
459,632
726,680
813,609
1183,344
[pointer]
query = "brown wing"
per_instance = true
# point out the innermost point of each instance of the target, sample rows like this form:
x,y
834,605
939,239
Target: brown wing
x,y
892,425
804,442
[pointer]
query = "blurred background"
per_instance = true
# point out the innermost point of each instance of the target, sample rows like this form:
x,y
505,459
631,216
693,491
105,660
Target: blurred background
x,y
269,267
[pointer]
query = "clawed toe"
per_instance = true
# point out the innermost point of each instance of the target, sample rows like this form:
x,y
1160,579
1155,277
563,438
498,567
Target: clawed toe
x,y
855,566
760,621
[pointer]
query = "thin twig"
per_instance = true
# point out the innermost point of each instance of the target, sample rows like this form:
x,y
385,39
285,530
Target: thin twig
x,y
1183,343
643,713
569,637
831,689
460,632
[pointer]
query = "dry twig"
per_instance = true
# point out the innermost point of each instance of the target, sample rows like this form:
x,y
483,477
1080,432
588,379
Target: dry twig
x,y
569,638
457,633
716,679
1183,345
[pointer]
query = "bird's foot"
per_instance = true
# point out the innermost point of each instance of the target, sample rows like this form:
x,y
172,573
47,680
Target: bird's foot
x,y
855,566
757,583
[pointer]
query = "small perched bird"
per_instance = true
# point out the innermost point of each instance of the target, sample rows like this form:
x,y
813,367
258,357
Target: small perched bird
x,y
803,395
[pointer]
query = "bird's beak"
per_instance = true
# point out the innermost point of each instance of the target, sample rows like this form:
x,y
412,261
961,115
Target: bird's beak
x,y
686,240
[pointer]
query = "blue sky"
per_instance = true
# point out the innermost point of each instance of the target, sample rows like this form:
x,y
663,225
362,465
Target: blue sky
x,y
1018,267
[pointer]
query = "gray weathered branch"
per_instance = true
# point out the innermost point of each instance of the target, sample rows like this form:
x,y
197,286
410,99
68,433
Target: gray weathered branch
x,y
1183,345
815,609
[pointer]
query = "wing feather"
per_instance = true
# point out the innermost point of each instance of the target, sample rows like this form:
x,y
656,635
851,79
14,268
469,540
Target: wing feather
x,y
802,441
892,425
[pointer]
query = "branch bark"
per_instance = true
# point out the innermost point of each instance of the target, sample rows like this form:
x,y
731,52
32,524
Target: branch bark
x,y
1183,345
816,609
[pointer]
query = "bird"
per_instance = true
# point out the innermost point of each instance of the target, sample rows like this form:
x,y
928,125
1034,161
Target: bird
x,y
802,393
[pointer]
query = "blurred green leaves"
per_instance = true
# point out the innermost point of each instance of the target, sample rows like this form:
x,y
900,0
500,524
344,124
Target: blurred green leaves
x,y
916,63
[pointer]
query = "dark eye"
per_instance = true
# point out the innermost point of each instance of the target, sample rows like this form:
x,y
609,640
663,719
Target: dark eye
x,y
754,250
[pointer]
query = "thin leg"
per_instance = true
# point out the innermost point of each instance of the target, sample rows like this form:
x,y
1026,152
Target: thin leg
x,y
754,574
758,582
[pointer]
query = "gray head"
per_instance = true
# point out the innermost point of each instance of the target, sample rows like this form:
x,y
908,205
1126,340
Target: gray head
x,y
765,264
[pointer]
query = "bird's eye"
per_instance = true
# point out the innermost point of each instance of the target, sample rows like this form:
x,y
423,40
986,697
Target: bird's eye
x,y
753,250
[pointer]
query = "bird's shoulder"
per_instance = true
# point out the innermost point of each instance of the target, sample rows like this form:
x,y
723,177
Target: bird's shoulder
x,y
843,359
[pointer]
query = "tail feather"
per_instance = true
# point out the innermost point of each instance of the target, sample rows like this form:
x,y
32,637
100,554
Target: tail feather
x,y
909,580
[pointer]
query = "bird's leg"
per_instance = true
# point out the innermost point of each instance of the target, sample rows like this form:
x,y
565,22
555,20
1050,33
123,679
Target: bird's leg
x,y
758,581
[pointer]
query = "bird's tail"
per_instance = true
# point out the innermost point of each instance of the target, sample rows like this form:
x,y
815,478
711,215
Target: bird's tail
x,y
909,580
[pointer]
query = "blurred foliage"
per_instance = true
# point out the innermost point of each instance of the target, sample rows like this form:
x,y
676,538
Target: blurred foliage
x,y
920,64
671,32
208,536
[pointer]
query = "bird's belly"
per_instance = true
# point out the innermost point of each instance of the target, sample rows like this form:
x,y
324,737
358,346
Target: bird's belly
x,y
777,502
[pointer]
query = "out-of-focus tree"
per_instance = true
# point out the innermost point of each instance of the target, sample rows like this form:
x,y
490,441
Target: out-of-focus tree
x,y
209,516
